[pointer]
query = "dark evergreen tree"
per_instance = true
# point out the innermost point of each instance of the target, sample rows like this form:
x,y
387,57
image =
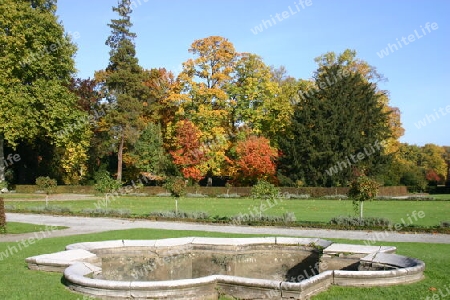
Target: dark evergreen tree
x,y
123,85
336,130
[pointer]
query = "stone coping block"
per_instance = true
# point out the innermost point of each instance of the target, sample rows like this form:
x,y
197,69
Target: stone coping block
x,y
57,262
394,260
336,249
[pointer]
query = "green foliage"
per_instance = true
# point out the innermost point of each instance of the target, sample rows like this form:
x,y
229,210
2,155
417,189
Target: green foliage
x,y
149,154
363,188
36,63
122,85
340,115
264,190
104,183
3,184
176,186
46,184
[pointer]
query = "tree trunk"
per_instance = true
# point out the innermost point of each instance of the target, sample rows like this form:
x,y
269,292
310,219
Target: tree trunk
x,y
2,159
120,159
361,210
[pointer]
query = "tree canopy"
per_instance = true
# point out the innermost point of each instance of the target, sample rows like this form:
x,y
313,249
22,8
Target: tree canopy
x,y
227,113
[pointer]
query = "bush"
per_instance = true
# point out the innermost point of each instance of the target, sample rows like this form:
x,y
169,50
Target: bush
x,y
286,218
192,195
51,209
228,196
2,216
106,212
46,184
176,186
335,197
296,196
196,215
163,195
355,221
104,183
265,190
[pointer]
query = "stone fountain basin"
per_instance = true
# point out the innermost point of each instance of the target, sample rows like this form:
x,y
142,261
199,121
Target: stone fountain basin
x,y
245,268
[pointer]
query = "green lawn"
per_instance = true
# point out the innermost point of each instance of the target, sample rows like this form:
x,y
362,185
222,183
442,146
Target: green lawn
x,y
17,282
15,228
304,210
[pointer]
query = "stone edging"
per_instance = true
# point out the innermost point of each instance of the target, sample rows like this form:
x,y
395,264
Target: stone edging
x,y
81,265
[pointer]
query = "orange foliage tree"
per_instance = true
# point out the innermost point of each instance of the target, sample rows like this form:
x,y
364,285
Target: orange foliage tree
x,y
188,154
255,160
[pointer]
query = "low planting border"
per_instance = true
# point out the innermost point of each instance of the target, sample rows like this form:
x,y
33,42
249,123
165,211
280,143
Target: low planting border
x,y
391,191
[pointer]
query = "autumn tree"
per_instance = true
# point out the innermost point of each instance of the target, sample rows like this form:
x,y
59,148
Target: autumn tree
x,y
36,63
122,84
162,87
202,98
255,160
254,98
188,155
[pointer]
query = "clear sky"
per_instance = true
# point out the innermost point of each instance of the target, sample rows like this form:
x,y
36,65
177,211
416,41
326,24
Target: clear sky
x,y
414,34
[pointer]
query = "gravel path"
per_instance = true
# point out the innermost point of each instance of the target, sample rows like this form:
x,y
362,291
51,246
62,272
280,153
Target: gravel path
x,y
85,225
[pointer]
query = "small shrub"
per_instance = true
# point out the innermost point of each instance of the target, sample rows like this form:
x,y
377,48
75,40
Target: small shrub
x,y
265,190
106,212
163,195
51,209
196,215
10,207
228,196
335,197
286,218
46,184
191,195
355,221
176,186
104,183
2,216
296,196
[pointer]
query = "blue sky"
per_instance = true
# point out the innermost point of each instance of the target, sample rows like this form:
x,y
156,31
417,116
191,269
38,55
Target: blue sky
x,y
417,72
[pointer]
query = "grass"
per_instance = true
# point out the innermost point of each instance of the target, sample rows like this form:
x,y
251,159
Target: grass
x,y
310,210
17,282
16,228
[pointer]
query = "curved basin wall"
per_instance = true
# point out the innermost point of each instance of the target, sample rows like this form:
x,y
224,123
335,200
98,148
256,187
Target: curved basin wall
x,y
255,268
273,262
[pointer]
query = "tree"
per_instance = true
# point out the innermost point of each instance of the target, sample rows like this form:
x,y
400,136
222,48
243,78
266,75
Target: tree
x,y
349,61
122,84
255,160
254,98
202,98
188,155
149,154
363,189
335,129
36,63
